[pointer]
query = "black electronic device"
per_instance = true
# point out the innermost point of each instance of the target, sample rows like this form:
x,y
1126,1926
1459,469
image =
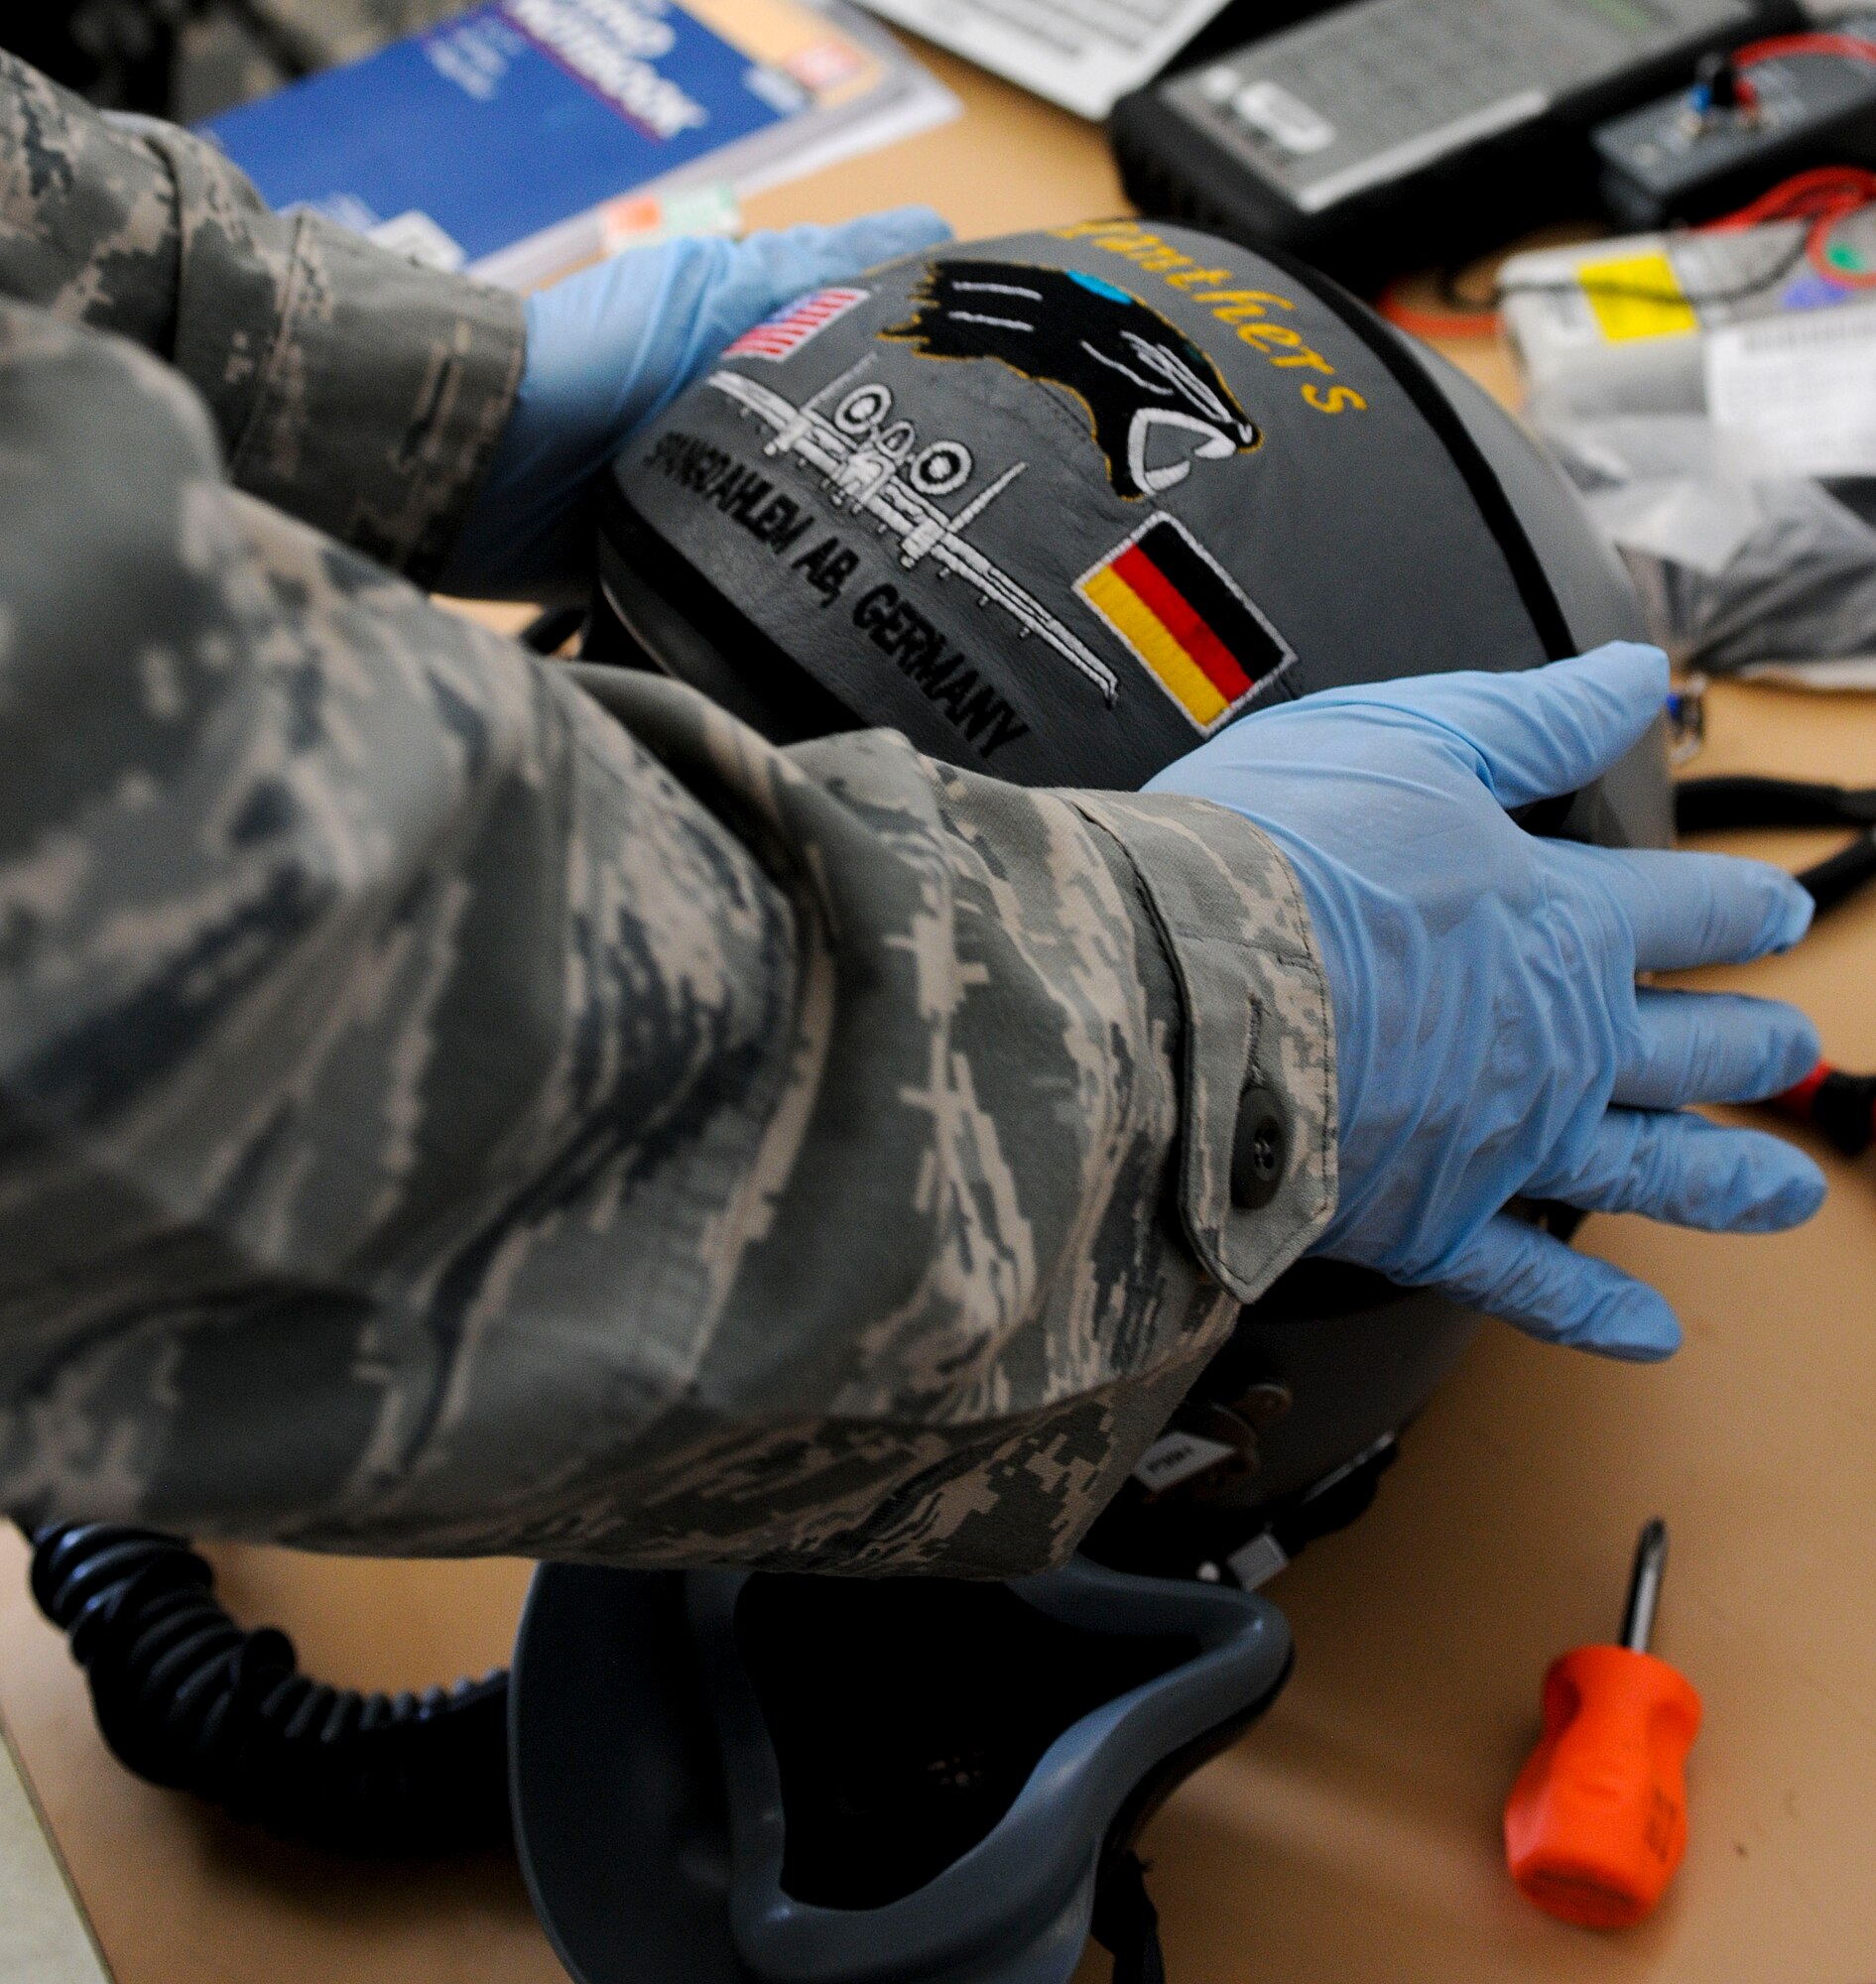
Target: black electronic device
x,y
1780,108
1394,131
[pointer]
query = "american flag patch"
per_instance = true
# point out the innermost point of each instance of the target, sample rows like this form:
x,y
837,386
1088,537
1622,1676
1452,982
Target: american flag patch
x,y
784,333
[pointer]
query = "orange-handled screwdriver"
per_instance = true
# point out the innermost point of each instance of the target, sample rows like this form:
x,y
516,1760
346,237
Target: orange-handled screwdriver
x,y
1597,1821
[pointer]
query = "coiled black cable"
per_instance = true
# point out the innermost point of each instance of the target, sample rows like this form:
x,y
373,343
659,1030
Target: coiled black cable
x,y
189,1700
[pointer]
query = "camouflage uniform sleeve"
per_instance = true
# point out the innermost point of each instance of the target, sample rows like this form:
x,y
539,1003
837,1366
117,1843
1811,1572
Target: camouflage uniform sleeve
x,y
350,388
448,1108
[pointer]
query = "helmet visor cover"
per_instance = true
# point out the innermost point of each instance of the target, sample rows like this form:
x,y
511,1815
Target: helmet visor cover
x,y
1061,506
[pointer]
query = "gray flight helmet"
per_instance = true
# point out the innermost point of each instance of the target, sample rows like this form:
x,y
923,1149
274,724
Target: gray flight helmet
x,y
1059,507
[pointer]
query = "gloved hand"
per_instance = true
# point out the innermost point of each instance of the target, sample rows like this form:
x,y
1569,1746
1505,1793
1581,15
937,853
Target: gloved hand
x,y
606,349
1490,1038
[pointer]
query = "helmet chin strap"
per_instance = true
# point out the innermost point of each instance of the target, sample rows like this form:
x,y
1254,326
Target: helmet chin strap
x,y
1126,1924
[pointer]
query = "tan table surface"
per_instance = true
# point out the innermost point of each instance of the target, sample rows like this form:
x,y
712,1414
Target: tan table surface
x,y
1352,1838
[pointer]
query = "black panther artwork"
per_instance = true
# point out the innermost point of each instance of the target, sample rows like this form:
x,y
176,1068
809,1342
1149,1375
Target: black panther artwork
x,y
1140,378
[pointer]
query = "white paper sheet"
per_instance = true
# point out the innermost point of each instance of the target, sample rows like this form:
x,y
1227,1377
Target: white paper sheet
x,y
1084,54
1799,391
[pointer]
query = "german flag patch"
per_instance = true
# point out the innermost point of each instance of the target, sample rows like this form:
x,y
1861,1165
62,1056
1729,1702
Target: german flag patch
x,y
1172,602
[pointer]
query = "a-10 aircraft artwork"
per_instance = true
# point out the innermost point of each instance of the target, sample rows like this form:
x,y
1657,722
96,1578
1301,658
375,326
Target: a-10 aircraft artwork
x,y
873,464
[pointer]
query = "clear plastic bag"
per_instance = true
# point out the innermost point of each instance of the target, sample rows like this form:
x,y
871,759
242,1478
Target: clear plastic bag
x,y
1739,573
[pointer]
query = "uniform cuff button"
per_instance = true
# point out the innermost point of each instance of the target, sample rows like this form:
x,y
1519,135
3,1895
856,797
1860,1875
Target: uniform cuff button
x,y
1261,1154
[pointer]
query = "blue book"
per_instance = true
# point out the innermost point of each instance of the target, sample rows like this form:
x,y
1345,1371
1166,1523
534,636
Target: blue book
x,y
507,122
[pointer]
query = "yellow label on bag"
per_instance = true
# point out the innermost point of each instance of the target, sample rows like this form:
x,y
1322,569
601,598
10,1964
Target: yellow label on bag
x,y
1637,296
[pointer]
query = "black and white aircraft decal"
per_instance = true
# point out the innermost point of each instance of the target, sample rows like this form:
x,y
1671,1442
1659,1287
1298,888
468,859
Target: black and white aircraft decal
x,y
872,464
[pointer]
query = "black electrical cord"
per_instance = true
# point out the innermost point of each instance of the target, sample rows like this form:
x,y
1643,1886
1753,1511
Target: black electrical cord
x,y
1840,1106
1703,805
1831,880
186,1699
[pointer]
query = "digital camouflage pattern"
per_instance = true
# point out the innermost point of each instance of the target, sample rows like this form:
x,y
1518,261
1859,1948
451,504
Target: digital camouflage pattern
x,y
348,386
228,56
446,1108
337,31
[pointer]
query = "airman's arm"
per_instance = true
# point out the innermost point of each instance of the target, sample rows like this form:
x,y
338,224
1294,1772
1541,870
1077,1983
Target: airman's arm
x,y
445,1110
350,388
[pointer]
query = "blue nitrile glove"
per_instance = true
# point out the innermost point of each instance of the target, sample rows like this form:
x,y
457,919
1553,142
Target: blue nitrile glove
x,y
606,349
1490,1038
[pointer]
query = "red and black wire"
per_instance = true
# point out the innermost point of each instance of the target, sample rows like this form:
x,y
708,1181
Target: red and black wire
x,y
1826,197
1840,1106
